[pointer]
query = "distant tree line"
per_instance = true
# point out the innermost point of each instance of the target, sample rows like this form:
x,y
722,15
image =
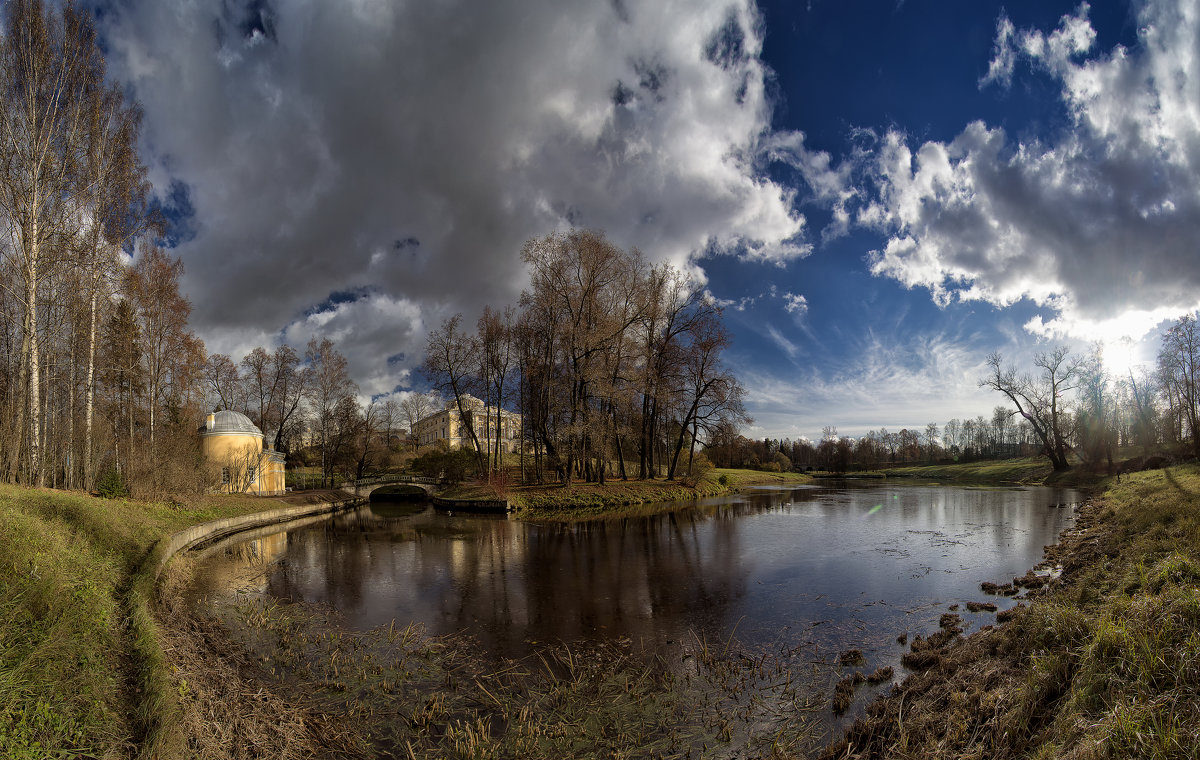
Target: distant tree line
x,y
614,364
999,436
1069,408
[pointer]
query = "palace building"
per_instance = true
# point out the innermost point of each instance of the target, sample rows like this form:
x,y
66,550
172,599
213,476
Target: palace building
x,y
447,425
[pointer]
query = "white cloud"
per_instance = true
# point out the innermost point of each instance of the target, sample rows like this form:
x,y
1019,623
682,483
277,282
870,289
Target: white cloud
x,y
901,381
1004,55
794,303
779,339
410,149
1101,222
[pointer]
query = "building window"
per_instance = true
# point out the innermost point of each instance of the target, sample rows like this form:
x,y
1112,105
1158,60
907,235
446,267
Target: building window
x,y
224,476
252,475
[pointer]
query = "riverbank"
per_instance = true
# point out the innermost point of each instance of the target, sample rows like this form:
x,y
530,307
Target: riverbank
x,y
1020,471
1104,662
615,496
82,669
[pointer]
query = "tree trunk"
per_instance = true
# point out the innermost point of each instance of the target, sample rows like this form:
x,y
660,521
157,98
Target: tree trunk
x,y
88,465
36,476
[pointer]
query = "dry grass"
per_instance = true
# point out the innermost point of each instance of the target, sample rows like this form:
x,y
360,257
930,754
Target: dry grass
x,y
412,695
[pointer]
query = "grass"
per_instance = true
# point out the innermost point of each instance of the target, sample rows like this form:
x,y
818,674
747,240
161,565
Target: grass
x,y
1024,470
1105,663
82,673
616,496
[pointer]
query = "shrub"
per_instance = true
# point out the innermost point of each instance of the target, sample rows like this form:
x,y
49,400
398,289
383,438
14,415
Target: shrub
x,y
723,479
111,485
451,465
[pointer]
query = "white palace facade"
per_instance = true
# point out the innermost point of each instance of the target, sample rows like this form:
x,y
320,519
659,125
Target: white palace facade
x,y
447,425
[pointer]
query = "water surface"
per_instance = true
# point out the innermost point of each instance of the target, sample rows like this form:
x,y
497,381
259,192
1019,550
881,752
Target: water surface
x,y
851,564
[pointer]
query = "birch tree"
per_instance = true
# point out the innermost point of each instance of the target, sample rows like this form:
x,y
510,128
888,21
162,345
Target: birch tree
x,y
48,62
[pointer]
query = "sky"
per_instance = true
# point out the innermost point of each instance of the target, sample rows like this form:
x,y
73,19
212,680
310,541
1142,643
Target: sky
x,y
880,194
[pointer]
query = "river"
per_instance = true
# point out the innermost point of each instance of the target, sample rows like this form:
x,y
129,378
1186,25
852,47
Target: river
x,y
830,567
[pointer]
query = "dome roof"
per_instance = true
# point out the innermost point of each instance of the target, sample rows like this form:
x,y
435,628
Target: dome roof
x,y
226,422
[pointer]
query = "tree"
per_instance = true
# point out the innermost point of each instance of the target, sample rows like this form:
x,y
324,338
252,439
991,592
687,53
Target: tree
x,y
709,391
223,382
368,427
111,203
584,296
1179,370
496,354
274,386
1095,418
330,396
451,360
931,437
153,289
1040,399
48,64
415,407
122,375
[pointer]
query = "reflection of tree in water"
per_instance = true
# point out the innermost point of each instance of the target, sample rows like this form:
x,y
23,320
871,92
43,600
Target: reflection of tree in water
x,y
648,578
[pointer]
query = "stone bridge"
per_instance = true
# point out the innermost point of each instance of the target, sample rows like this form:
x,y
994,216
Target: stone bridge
x,y
363,488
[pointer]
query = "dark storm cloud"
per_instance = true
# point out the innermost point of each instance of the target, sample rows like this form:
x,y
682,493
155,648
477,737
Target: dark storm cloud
x,y
403,152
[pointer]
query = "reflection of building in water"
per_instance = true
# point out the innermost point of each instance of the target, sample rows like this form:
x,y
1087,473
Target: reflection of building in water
x,y
246,563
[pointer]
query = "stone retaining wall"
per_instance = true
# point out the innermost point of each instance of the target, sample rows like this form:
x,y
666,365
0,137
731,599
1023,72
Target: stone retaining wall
x,y
218,529
472,505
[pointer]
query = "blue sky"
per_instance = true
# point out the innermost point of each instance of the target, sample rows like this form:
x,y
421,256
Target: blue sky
x,y
881,194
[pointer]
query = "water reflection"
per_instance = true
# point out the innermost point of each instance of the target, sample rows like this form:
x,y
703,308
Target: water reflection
x,y
852,565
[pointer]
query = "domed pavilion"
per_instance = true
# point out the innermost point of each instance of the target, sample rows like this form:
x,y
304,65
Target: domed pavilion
x,y
229,440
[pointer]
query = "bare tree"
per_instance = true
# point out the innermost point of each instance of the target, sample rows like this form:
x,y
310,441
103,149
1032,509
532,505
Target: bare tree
x,y
48,64
496,354
153,288
415,407
389,412
330,395
709,392
931,437
223,382
451,361
1179,370
1040,399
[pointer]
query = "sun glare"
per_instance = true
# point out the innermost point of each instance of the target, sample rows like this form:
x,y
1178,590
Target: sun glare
x,y
1126,340
1120,357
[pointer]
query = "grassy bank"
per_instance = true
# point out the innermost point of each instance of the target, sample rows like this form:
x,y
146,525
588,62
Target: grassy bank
x,y
616,496
1104,663
82,673
1027,470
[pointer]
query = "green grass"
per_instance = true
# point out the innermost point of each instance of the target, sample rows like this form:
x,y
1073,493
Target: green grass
x,y
1025,470
81,670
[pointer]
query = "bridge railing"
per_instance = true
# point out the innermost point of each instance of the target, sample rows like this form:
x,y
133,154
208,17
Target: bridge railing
x,y
392,478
